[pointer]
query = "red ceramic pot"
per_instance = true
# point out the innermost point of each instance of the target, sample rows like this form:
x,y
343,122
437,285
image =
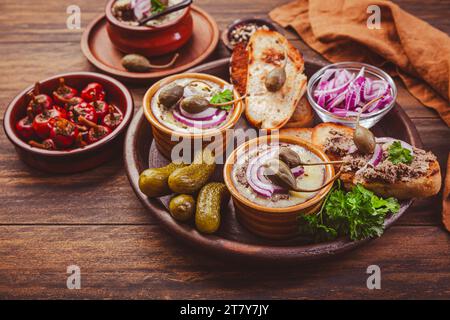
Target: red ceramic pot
x,y
149,41
79,159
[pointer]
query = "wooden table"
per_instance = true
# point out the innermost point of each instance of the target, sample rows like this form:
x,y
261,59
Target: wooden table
x,y
95,221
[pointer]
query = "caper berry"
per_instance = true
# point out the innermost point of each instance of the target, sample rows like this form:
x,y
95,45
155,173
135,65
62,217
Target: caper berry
x,y
280,174
136,63
364,139
290,157
169,96
194,104
275,79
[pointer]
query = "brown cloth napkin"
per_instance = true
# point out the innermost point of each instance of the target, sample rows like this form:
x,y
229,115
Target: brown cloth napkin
x,y
404,45
446,198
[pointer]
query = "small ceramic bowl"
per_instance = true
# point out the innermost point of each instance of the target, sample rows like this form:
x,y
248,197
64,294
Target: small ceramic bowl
x,y
269,222
166,138
367,121
149,41
226,34
79,159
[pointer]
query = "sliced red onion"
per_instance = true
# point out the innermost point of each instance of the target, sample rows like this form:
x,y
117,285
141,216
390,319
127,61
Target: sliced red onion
x,y
215,121
258,181
340,89
345,113
336,101
207,114
377,156
263,188
387,99
262,177
141,8
337,90
298,171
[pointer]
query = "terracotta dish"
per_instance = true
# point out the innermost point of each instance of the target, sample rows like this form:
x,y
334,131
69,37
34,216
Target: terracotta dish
x,y
166,138
270,222
149,41
81,158
101,52
233,240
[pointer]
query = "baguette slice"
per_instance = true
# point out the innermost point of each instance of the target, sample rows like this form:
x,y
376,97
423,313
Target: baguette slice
x,y
421,187
302,133
271,110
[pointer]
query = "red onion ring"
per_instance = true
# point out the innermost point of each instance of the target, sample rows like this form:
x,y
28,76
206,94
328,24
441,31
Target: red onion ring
x,y
377,156
207,114
215,121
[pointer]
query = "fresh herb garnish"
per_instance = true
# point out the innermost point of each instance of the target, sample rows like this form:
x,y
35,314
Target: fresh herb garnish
x,y
358,214
157,6
222,97
398,154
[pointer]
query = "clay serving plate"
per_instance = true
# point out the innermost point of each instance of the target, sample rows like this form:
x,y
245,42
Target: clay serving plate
x,y
233,240
101,52
166,138
269,222
77,159
149,41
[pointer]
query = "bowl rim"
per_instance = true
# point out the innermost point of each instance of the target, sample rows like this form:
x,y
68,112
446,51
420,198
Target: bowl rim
x,y
228,167
116,22
149,94
350,119
127,116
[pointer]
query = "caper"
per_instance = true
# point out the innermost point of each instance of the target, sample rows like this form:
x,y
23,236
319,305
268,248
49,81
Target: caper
x,y
290,157
280,174
170,95
275,79
194,104
136,63
364,139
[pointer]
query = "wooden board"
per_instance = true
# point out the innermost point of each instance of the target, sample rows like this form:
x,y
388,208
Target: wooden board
x,y
99,50
233,239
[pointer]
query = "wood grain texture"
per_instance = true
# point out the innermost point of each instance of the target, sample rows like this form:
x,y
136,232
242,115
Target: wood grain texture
x,y
93,219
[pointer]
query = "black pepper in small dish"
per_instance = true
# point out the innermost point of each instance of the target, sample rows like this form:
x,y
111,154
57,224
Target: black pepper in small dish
x,y
243,32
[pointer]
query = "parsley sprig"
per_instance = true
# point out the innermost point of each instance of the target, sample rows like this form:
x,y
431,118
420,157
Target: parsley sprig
x,y
398,154
157,6
358,214
222,97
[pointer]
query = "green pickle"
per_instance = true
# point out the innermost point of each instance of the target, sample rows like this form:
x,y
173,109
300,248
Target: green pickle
x,y
153,182
209,202
190,179
182,207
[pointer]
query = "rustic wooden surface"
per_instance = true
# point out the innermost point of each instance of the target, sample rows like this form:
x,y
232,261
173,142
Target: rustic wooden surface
x,y
95,221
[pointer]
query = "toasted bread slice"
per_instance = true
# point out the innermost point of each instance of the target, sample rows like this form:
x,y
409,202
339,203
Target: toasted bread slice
x,y
446,198
420,187
266,51
302,133
239,67
303,116
322,132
